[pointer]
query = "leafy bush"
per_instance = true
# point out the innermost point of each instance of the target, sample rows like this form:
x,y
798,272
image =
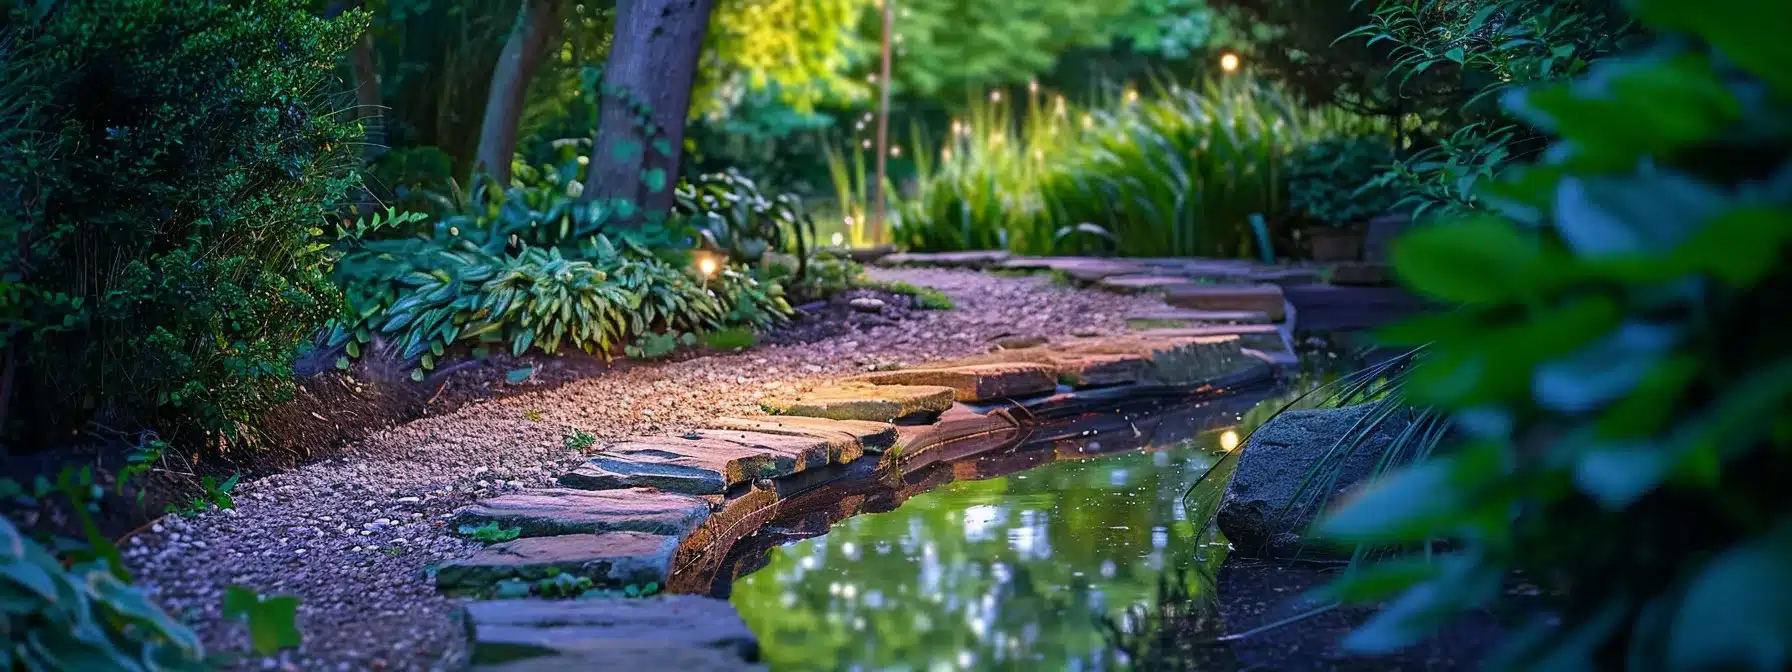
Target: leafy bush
x,y
83,617
1627,402
1334,181
161,262
542,298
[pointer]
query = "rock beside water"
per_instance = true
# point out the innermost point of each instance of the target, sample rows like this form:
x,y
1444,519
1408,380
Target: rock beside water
x,y
1265,509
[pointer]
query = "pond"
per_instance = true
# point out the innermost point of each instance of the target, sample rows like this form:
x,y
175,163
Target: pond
x,y
1012,571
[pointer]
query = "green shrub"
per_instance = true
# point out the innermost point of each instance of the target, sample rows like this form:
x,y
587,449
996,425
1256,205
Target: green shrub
x,y
1626,394
161,262
1334,181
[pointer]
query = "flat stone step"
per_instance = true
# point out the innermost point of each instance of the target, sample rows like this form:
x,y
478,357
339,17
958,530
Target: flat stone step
x,y
973,259
1258,298
1141,284
1160,319
861,401
548,512
610,560
665,632
872,437
1130,358
977,382
1362,274
707,462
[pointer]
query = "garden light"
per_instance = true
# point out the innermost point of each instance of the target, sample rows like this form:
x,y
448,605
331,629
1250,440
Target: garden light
x,y
840,238
995,96
1229,440
1229,62
708,266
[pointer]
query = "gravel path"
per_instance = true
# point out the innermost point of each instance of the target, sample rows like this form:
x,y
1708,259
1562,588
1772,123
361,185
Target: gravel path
x,y
353,536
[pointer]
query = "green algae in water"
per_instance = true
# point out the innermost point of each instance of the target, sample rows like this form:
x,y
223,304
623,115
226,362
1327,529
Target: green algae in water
x,y
1012,572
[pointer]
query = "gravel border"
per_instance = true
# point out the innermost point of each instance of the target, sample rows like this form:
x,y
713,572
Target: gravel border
x,y
354,536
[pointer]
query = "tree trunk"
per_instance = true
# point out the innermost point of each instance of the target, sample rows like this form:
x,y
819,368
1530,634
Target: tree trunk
x,y
536,33
652,65
368,106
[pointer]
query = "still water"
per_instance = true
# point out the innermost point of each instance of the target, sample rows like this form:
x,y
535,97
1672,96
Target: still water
x,y
1006,573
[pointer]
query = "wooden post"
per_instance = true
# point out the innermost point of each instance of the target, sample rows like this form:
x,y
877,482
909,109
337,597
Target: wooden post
x,y
883,131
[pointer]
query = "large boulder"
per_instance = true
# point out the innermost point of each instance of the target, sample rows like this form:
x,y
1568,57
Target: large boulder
x,y
1279,487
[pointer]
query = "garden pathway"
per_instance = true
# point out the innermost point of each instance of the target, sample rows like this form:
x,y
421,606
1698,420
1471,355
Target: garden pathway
x,y
360,538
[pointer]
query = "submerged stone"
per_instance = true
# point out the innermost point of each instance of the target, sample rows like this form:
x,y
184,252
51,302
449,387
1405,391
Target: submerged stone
x,y
664,632
860,401
977,382
555,511
610,560
1281,481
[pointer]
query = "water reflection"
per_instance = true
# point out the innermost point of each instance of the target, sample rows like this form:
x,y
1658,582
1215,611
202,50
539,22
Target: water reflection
x,y
994,574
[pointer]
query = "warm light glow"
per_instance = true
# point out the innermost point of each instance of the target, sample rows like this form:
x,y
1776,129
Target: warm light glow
x,y
866,144
995,96
840,238
707,266
1088,121
1032,86
945,154
1229,62
1132,96
896,151
1229,440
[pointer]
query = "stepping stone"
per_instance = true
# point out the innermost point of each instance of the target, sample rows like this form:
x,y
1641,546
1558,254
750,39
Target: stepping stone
x,y
1362,274
1094,270
554,511
872,437
1260,298
813,452
978,382
859,401
691,466
1287,276
610,560
959,433
664,632
974,259
1170,360
1141,284
1161,319
1262,337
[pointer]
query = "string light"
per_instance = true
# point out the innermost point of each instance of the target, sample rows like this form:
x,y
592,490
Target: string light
x,y
1229,62
840,238
995,96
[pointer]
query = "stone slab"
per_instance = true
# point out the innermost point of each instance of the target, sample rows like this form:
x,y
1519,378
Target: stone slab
x,y
860,401
691,466
1259,336
610,560
629,657
973,259
1169,360
1141,284
1171,318
872,437
1258,298
1362,274
812,452
978,382
664,632
548,512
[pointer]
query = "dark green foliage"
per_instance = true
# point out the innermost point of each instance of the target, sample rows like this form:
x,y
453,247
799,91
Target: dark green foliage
x,y
162,260
735,338
82,617
1625,392
212,495
272,620
1334,181
736,217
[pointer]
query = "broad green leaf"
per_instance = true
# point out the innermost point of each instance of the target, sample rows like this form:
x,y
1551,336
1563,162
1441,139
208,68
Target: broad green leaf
x,y
1481,260
1637,214
1737,614
1604,370
1757,42
273,624
1462,583
1404,505
654,179
1618,475
1380,581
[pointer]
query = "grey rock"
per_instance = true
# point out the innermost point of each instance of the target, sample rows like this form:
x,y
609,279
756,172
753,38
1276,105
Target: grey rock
x,y
1265,508
610,560
541,513
867,305
668,632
